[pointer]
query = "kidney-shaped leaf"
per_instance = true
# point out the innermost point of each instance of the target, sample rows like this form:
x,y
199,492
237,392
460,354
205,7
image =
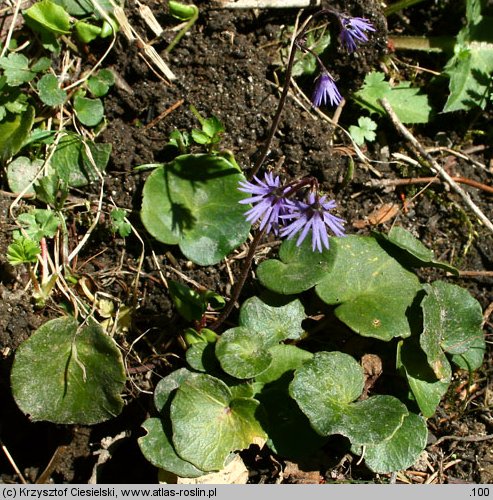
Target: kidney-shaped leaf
x,y
273,324
401,450
299,269
452,321
242,353
325,388
157,445
194,202
208,423
372,290
69,374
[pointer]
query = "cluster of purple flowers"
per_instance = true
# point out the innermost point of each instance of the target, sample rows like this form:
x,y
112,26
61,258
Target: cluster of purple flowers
x,y
277,212
353,33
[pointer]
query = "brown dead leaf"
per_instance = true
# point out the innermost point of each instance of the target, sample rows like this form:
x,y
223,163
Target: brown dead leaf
x,y
293,474
382,214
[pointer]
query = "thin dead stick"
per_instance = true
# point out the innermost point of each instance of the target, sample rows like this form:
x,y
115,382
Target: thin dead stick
x,y
427,180
466,439
164,114
433,165
11,27
12,463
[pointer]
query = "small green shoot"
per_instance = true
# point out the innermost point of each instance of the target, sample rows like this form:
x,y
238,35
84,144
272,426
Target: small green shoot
x,y
188,13
119,223
364,131
212,130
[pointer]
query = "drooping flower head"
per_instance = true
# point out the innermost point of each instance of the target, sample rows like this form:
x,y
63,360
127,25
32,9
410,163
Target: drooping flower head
x,y
314,216
353,31
325,90
268,201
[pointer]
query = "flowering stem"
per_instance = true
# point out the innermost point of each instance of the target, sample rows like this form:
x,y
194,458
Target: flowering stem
x,y
284,94
239,284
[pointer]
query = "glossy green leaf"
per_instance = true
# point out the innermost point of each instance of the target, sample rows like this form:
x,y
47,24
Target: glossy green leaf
x,y
50,16
426,388
189,303
325,388
100,83
14,130
420,255
84,8
89,111
68,373
372,291
241,353
50,92
194,202
21,173
452,321
87,32
298,269
401,450
72,163
273,324
208,424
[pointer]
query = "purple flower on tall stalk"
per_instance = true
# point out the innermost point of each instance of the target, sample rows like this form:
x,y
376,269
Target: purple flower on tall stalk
x,y
325,90
268,200
353,31
312,216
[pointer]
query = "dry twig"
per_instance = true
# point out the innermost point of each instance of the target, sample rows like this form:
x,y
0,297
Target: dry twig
x,y
434,166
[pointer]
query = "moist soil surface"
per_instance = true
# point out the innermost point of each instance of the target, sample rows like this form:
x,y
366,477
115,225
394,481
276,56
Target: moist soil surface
x,y
229,65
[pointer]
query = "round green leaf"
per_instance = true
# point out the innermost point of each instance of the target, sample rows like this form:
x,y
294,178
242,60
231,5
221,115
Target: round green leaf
x,y
50,92
168,384
473,358
241,353
208,423
157,445
372,290
89,111
298,269
401,450
21,173
100,83
324,389
157,448
194,202
71,162
452,321
273,324
69,374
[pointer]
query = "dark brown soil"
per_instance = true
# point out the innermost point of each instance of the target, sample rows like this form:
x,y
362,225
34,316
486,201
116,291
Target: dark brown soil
x,y
226,66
